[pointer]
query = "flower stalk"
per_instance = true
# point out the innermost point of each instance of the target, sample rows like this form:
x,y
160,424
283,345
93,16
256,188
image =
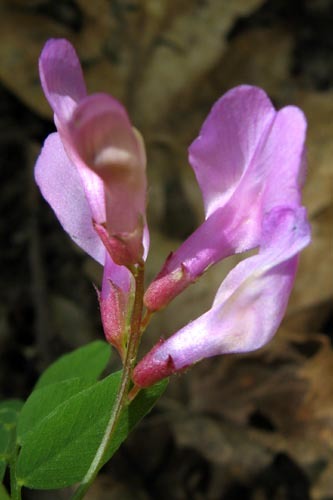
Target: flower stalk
x,y
122,398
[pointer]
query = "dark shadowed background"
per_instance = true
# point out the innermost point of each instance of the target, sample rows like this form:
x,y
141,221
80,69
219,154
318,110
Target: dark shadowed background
x,y
254,427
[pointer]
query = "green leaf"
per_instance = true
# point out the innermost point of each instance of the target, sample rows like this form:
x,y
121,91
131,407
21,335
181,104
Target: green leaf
x,y
3,465
44,401
4,441
86,362
4,448
12,404
60,449
68,376
8,418
9,411
3,493
132,415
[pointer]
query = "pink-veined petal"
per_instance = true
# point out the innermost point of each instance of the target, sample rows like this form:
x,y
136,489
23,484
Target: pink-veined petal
x,y
61,186
228,141
61,76
248,307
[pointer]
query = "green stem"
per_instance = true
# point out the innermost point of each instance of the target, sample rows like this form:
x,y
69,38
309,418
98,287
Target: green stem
x,y
122,395
15,488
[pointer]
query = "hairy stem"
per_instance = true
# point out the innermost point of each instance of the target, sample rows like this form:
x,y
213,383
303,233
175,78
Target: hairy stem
x,y
122,395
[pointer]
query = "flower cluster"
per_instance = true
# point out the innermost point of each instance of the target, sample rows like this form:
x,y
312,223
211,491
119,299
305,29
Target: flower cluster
x,y
249,163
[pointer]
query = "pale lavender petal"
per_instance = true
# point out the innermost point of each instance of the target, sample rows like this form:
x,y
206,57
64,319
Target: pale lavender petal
x,y
271,177
205,246
110,156
92,184
248,307
284,150
61,76
271,180
227,144
102,135
108,153
61,186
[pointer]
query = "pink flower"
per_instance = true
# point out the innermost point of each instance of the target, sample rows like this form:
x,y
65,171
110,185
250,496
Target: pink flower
x,y
247,159
249,163
97,156
248,306
92,173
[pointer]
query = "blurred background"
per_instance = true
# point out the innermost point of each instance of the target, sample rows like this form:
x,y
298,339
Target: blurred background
x,y
254,427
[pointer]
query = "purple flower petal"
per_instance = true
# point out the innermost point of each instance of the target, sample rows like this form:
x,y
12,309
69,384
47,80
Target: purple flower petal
x,y
248,159
248,306
229,140
61,76
284,151
61,186
107,152
101,137
63,84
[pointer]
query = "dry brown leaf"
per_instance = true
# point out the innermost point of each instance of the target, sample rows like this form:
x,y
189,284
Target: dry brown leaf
x,y
185,53
125,48
323,486
318,404
221,443
106,488
20,47
259,57
318,189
